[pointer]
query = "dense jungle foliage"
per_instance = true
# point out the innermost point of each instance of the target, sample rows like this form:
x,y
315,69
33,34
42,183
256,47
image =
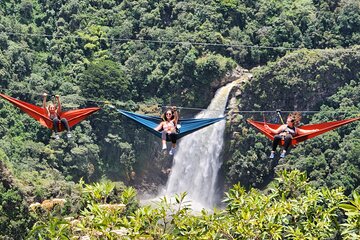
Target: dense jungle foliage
x,y
139,54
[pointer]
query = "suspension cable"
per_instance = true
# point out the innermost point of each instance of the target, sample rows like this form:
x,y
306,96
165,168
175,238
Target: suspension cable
x,y
227,111
176,42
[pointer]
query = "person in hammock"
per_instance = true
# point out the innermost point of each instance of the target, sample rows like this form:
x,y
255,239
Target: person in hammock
x,y
169,127
53,112
286,132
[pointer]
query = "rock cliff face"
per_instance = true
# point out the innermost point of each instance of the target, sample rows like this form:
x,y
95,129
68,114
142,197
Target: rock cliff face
x,y
5,176
242,76
237,73
154,175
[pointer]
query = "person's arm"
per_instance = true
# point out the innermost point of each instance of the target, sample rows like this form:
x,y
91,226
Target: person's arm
x,y
159,127
275,131
304,131
176,116
58,103
44,103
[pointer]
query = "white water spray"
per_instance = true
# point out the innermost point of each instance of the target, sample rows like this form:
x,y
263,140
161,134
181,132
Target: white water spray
x,y
197,163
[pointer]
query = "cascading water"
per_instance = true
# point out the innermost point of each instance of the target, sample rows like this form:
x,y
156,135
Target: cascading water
x,y
197,162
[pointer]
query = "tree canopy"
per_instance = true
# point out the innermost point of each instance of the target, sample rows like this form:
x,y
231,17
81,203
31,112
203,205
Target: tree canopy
x,y
142,54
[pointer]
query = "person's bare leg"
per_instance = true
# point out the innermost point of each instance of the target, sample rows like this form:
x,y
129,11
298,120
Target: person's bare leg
x,y
164,144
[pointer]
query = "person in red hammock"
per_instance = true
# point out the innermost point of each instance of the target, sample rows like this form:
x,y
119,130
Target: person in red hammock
x,y
169,126
53,112
286,132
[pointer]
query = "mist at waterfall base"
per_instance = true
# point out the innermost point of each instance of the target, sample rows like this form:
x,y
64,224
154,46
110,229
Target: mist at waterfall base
x,y
197,160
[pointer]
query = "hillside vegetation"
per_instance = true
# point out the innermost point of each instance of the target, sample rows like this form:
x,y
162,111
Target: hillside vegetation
x,y
142,54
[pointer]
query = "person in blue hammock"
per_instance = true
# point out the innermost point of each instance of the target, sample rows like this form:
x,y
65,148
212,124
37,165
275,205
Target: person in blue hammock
x,y
169,128
287,132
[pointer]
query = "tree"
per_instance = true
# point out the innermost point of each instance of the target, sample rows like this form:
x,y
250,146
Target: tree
x,y
348,20
26,11
105,80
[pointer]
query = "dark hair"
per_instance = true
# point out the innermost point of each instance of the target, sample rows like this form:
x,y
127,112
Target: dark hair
x,y
175,114
164,114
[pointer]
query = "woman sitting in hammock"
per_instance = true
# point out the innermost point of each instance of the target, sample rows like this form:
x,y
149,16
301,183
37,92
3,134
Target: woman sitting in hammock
x,y
168,126
286,132
53,112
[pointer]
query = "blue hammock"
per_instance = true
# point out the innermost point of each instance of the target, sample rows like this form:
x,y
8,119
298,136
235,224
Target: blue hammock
x,y
187,125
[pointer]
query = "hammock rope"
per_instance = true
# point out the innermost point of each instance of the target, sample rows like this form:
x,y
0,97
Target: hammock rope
x,y
105,102
150,122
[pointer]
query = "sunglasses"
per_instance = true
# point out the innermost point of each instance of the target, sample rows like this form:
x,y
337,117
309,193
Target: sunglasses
x,y
168,114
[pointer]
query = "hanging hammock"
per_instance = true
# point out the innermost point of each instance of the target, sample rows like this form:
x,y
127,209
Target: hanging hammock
x,y
40,114
187,125
323,128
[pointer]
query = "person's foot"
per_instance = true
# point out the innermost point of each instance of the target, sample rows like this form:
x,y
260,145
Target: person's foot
x,y
68,135
282,155
172,151
272,155
57,137
164,147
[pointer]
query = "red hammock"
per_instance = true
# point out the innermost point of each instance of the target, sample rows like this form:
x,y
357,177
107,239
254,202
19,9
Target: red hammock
x,y
40,114
323,127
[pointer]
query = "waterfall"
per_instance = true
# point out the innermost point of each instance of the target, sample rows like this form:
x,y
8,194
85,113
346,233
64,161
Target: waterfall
x,y
197,161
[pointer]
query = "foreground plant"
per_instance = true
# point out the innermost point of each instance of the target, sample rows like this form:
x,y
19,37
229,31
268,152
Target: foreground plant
x,y
290,209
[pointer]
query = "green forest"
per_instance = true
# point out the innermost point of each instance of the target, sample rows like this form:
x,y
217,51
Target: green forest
x,y
141,55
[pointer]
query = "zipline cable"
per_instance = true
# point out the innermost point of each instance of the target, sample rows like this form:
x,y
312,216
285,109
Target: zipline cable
x,y
288,111
107,102
176,42
192,108
51,94
155,41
